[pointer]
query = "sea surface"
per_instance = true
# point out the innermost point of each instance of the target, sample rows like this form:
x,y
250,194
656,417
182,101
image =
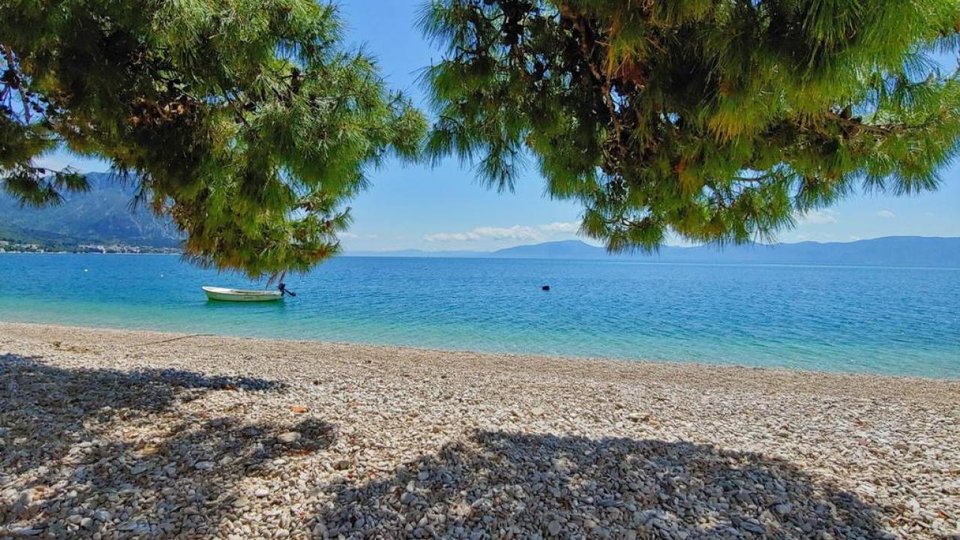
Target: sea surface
x,y
899,321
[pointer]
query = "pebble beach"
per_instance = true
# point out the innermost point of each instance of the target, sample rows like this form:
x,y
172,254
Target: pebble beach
x,y
130,434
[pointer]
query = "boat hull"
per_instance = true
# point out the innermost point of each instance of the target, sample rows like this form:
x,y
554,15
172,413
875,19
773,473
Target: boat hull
x,y
221,294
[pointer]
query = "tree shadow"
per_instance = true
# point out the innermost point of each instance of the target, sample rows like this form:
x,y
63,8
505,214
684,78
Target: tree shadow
x,y
499,484
75,446
112,448
48,406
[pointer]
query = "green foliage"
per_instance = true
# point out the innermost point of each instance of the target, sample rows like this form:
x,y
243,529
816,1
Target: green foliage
x,y
244,120
719,120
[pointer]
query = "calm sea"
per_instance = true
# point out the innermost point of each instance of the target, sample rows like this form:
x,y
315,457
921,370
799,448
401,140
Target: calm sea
x,y
879,320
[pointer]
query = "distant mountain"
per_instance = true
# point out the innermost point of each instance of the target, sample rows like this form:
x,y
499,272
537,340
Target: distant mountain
x,y
890,251
419,253
104,216
566,249
101,216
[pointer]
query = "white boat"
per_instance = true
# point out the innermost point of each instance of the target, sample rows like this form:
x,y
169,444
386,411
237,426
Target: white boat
x,y
239,295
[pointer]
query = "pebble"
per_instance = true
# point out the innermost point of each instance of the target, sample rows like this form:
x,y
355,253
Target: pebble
x,y
22,531
289,437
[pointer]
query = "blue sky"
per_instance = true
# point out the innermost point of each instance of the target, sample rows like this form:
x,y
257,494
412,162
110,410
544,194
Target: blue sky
x,y
444,207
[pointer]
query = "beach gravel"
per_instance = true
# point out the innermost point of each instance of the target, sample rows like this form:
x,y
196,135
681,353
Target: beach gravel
x,y
126,434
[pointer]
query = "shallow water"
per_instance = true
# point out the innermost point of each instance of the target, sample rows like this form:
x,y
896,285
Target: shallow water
x,y
899,321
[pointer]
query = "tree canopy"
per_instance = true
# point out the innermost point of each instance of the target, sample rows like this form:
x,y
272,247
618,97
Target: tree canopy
x,y
718,120
244,120
251,125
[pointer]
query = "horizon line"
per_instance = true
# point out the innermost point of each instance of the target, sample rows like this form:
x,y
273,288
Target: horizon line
x,y
678,246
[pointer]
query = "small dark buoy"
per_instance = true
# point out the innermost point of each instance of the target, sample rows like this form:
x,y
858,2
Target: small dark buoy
x,y
545,288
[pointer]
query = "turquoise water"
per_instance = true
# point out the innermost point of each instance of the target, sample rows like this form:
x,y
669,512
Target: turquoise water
x,y
880,320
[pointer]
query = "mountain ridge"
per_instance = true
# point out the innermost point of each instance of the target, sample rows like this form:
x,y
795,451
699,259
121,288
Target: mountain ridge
x,y
899,251
102,215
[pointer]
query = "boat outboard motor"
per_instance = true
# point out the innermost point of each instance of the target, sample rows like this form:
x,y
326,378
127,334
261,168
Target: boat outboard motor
x,y
284,290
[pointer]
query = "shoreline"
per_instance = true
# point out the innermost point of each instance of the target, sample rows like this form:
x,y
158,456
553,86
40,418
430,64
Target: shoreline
x,y
123,432
680,364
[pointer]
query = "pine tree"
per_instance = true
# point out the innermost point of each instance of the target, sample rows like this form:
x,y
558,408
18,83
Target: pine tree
x,y
244,120
718,120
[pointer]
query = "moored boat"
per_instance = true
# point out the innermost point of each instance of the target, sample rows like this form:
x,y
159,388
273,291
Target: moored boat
x,y
240,295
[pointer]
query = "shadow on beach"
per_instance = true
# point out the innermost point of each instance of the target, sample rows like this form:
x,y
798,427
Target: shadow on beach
x,y
75,438
125,452
522,486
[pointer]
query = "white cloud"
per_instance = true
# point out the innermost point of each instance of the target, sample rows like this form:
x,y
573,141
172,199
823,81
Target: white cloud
x,y
675,240
819,217
517,232
561,227
347,235
886,214
62,159
522,233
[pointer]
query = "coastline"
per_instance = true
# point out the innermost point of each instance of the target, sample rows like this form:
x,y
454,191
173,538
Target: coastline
x,y
304,437
786,317
442,354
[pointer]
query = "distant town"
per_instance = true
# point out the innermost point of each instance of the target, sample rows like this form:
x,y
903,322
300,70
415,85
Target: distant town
x,y
11,246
